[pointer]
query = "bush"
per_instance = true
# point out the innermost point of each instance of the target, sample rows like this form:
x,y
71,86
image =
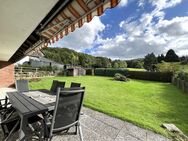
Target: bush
x,y
143,75
120,77
182,75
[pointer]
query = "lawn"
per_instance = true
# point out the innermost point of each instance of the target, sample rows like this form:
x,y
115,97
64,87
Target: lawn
x,y
135,69
144,103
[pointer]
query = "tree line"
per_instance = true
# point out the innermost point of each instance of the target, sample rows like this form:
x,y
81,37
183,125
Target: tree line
x,y
150,60
68,56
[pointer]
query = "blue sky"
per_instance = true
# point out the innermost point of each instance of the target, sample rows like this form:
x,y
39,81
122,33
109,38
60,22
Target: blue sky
x,y
133,29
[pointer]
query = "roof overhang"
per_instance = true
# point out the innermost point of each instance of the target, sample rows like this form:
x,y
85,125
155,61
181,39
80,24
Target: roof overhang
x,y
31,25
19,18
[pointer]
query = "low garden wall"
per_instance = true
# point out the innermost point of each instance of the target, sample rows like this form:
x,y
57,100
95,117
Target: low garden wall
x,y
143,75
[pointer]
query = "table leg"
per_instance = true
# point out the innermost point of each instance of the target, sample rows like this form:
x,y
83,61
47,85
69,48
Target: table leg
x,y
23,126
46,132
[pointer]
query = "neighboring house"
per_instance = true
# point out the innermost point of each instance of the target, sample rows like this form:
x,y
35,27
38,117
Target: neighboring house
x,y
37,60
42,62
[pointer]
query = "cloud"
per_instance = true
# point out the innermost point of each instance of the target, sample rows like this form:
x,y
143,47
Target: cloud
x,y
123,3
146,35
163,4
84,37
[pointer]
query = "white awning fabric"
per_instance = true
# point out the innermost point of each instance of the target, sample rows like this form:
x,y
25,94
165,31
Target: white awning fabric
x,y
73,16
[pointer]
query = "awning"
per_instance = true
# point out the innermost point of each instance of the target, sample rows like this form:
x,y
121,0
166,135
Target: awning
x,y
73,16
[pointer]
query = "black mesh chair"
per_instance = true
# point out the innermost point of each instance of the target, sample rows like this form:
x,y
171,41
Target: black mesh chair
x,y
55,85
73,84
11,123
67,111
22,85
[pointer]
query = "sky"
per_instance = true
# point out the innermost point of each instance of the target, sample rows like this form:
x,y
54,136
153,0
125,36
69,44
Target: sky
x,y
133,29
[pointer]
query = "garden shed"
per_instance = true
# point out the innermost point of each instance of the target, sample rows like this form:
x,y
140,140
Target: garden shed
x,y
76,71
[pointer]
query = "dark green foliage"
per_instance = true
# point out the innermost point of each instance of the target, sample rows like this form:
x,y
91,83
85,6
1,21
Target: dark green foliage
x,y
68,56
153,76
182,75
160,58
110,71
120,77
150,61
171,56
135,63
119,64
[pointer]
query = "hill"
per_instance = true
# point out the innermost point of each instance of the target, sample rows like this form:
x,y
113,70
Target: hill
x,y
68,56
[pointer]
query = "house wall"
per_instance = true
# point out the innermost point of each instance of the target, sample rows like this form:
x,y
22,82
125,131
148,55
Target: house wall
x,y
6,74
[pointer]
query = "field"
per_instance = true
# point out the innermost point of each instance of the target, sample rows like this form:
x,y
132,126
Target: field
x,y
144,103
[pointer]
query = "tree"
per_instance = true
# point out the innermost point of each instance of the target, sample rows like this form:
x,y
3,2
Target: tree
x,y
160,58
149,62
171,56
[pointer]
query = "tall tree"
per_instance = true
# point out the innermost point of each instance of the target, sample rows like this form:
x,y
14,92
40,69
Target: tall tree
x,y
149,62
171,56
160,58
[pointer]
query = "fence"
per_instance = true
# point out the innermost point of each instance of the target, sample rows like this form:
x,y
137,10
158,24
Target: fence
x,y
28,72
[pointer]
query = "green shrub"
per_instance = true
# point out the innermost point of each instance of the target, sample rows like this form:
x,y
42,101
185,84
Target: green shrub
x,y
109,71
142,75
182,75
120,77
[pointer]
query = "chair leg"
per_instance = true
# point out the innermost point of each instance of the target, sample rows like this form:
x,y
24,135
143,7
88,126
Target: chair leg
x,y
80,132
6,139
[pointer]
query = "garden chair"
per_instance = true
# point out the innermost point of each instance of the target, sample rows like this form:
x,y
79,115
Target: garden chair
x,y
22,85
73,84
67,112
11,124
55,85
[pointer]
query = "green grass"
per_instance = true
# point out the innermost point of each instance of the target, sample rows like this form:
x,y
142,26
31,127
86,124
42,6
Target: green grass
x,y
172,66
135,69
144,103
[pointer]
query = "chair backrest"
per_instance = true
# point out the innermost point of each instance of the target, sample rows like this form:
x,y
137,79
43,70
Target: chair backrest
x,y
22,85
55,85
60,84
67,109
73,84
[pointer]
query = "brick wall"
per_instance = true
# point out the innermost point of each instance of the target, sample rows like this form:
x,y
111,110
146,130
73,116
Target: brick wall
x,y
6,74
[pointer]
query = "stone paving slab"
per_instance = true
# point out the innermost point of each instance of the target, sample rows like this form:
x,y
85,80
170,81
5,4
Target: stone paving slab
x,y
100,127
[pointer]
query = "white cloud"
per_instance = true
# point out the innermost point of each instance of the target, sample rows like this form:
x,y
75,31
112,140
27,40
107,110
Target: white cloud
x,y
83,37
144,35
163,4
141,36
123,3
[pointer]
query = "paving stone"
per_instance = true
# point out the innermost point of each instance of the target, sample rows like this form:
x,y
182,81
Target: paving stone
x,y
130,129
150,136
126,138
114,122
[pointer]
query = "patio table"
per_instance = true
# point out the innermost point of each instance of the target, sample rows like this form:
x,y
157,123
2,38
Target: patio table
x,y
26,107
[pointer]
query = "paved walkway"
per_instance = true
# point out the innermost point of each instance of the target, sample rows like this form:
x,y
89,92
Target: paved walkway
x,y
100,127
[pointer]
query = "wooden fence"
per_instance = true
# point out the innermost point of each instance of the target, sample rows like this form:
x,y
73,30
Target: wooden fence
x,y
28,72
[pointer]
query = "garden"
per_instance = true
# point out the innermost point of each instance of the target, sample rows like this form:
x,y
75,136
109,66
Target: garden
x,y
147,104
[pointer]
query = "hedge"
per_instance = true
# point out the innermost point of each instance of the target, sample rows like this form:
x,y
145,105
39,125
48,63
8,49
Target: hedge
x,y
143,75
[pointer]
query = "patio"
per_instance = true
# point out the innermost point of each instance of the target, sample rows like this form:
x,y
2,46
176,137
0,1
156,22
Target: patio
x,y
97,126
100,127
